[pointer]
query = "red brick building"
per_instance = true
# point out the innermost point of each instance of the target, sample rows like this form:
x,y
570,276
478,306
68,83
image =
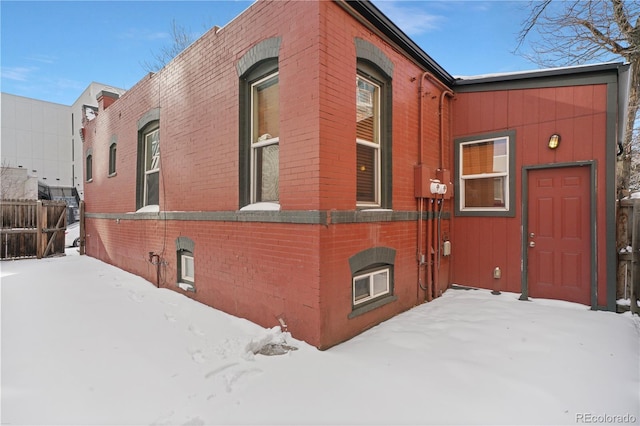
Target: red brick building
x,y
251,175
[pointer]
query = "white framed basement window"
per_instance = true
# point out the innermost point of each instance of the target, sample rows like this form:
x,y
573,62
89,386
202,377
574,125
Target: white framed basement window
x,y
371,285
186,270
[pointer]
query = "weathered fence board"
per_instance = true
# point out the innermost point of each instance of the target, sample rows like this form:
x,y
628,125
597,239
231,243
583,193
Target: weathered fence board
x,y
628,277
32,228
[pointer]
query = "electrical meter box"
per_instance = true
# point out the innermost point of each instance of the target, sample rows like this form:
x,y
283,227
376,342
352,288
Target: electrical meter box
x,y
422,181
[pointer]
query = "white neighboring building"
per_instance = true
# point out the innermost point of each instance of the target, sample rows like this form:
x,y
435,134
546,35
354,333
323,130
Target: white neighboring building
x,y
35,135
43,138
17,184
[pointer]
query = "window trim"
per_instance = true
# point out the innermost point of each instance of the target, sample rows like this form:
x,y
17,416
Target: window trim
x,y
148,122
141,172
258,62
509,176
374,144
185,248
88,164
184,256
255,145
147,172
370,273
112,159
368,261
488,175
374,73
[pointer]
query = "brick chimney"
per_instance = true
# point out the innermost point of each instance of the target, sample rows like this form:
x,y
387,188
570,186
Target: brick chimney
x,y
106,98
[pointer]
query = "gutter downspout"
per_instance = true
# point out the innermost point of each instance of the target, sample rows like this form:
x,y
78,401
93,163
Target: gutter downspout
x,y
422,257
437,237
445,92
441,108
436,250
419,248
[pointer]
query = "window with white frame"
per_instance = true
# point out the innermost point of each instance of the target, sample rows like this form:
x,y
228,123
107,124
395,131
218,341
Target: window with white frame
x,y
265,137
152,168
185,263
370,285
484,172
187,270
367,142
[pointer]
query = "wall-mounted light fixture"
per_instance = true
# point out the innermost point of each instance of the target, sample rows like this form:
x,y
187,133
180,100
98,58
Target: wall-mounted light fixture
x,y
554,141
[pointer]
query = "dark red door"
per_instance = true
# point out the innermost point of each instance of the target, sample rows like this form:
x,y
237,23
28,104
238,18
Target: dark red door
x,y
558,234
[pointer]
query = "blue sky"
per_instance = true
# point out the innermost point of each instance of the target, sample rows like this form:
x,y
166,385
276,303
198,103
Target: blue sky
x,y
52,50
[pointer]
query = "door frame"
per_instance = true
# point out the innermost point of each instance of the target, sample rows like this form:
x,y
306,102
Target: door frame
x,y
592,217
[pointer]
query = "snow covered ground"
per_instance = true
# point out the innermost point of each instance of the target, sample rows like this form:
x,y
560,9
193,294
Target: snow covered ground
x,y
86,343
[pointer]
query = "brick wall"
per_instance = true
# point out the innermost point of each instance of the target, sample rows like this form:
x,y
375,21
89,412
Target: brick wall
x,y
259,270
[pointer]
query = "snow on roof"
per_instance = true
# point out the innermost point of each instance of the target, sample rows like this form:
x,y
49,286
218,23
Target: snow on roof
x,y
536,73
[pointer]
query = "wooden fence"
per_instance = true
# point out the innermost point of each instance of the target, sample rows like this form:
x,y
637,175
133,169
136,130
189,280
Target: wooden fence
x,y
628,277
32,228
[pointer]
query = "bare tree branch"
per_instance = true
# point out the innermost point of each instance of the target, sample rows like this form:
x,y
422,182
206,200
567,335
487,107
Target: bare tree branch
x,y
536,11
582,31
180,39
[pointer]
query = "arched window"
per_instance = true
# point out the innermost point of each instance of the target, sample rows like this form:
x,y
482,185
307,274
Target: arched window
x,y
88,170
373,126
112,157
259,160
372,274
148,170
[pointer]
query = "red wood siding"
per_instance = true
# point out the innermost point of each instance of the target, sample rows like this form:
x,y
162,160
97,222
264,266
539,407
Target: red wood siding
x,y
578,114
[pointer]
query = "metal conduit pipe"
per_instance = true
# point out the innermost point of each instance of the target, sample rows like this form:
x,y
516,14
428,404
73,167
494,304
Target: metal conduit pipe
x,y
436,222
433,235
441,108
444,94
429,297
419,254
437,225
435,243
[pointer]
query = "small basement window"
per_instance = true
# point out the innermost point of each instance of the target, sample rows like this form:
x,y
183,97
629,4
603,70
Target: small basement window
x,y
186,275
371,285
185,264
371,279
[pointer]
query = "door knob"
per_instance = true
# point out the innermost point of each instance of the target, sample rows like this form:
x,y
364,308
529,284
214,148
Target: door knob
x,y
532,243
